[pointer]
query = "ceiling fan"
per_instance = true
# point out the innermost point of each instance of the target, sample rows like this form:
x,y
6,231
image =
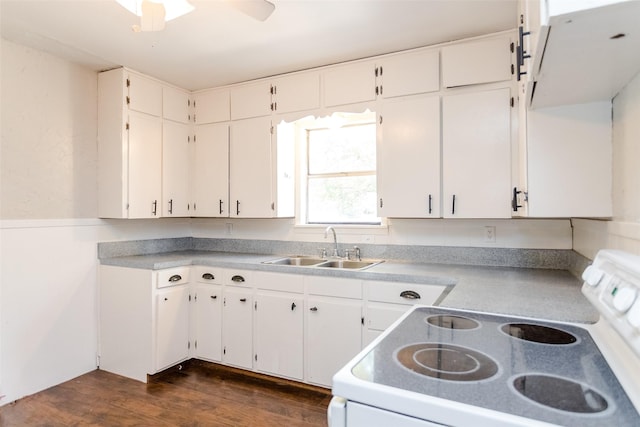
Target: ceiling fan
x,y
154,13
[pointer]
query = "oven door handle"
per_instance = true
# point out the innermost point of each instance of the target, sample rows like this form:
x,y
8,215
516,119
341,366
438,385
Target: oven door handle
x,y
410,295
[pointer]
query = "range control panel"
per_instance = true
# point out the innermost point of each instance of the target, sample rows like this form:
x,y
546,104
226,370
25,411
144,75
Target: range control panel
x,y
612,284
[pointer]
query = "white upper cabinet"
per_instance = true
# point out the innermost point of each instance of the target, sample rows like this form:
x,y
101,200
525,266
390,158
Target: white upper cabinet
x,y
175,169
569,161
144,94
409,73
408,157
210,171
250,170
212,106
476,158
250,100
349,84
176,105
476,62
298,92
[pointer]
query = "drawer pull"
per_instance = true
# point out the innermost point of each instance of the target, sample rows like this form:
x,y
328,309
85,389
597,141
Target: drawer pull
x,y
293,306
208,276
175,278
314,309
243,300
237,278
214,296
410,295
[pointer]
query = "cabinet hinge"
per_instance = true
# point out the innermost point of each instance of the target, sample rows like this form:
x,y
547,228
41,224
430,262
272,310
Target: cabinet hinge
x,y
188,206
224,302
189,297
362,320
271,130
273,206
512,102
513,70
194,138
381,88
224,350
255,357
98,360
128,100
376,72
126,126
194,106
188,117
195,297
195,344
255,306
194,206
188,345
188,139
512,47
188,103
128,82
381,204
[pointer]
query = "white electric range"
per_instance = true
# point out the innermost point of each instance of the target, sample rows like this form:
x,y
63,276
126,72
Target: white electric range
x,y
439,366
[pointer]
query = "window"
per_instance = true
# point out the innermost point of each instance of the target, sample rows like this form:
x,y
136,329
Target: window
x,y
340,171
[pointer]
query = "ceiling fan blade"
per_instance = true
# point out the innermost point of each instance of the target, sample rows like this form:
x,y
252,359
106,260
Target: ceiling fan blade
x,y
152,18
257,9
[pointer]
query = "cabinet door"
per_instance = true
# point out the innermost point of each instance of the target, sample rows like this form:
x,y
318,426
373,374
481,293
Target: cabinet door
x,y
250,168
207,325
144,95
172,326
251,100
410,73
279,333
176,105
349,84
333,336
144,169
210,179
212,106
408,175
175,169
297,93
237,328
476,157
483,61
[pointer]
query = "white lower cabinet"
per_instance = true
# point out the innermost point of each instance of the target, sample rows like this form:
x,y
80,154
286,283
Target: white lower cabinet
x,y
279,333
144,320
206,326
279,327
333,330
237,327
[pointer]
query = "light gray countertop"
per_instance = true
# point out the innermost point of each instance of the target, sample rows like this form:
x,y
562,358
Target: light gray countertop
x,y
538,293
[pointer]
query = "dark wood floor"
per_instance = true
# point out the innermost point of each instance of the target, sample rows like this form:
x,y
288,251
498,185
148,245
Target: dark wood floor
x,y
200,394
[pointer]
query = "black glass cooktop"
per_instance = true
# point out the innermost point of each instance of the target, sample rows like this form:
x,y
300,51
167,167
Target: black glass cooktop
x,y
534,369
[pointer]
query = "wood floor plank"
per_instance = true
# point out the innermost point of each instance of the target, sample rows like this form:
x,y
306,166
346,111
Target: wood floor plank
x,y
200,394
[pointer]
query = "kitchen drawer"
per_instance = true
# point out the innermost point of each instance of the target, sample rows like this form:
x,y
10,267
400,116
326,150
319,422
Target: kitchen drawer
x,y
279,282
237,278
172,277
403,293
202,274
334,287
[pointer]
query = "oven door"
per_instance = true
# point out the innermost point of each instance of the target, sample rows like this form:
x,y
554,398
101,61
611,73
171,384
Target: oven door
x,y
344,413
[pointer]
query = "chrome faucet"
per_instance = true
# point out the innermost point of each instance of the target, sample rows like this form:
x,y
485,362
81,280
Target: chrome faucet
x,y
335,240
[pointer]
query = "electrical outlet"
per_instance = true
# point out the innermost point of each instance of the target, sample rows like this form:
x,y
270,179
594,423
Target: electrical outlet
x,y
490,233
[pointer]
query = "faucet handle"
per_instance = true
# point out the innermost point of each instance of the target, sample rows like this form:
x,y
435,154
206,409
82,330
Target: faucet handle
x,y
323,252
347,254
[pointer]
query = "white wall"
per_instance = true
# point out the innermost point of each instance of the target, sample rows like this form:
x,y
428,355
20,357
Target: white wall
x,y
48,262
623,232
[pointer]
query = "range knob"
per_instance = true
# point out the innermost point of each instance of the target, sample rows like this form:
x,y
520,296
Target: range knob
x,y
592,276
624,298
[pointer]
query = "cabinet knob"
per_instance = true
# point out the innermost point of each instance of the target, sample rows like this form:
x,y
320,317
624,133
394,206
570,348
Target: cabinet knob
x,y
313,309
293,306
214,296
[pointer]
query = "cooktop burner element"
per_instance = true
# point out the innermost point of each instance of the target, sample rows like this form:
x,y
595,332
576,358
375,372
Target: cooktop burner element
x,y
452,322
447,362
538,333
560,393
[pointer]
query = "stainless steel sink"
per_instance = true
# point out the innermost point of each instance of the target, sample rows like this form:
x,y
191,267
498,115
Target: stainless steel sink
x,y
348,264
308,261
296,260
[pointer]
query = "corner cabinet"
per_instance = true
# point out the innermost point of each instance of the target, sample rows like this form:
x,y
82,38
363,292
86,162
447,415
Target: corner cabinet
x,y
129,145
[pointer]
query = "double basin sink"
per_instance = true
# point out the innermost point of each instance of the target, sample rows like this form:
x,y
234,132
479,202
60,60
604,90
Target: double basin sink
x,y
338,263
